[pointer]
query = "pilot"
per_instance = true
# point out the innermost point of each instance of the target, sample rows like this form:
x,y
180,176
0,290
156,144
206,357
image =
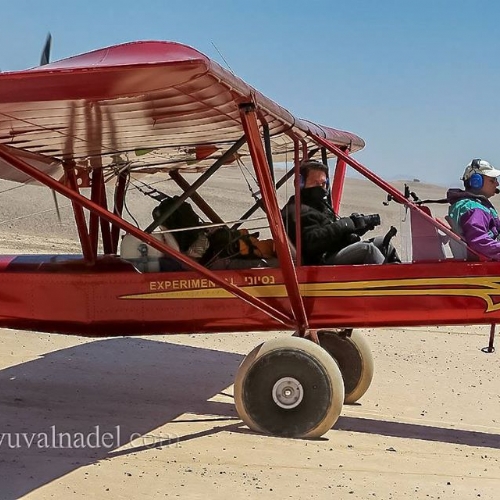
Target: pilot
x,y
471,213
327,238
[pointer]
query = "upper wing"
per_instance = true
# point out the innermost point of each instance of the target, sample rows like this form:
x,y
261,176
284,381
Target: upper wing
x,y
149,105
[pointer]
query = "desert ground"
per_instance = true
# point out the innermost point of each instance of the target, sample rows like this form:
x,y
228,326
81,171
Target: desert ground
x,y
428,427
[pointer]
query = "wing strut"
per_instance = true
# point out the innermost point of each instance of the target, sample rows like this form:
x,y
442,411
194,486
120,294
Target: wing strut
x,y
258,203
83,202
81,223
196,184
338,181
200,202
259,159
120,187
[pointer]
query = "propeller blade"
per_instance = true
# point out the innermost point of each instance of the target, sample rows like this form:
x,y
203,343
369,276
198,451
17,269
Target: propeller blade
x,y
45,58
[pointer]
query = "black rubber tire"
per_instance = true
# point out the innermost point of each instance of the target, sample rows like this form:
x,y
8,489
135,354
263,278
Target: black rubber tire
x,y
354,357
291,358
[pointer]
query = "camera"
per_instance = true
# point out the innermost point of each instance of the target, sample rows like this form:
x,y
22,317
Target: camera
x,y
372,220
364,223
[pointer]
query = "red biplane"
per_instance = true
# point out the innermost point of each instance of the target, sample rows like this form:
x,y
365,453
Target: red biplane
x,y
165,108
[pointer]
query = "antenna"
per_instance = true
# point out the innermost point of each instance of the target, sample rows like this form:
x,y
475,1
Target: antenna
x,y
223,58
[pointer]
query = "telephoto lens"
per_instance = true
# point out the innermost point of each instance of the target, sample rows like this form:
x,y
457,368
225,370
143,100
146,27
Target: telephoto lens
x,y
373,220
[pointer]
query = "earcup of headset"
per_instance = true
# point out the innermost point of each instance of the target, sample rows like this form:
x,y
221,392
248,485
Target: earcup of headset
x,y
476,181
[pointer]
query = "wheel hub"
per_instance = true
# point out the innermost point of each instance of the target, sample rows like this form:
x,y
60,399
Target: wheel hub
x,y
288,393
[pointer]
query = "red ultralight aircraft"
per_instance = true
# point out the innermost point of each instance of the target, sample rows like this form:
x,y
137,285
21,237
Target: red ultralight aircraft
x,y
165,108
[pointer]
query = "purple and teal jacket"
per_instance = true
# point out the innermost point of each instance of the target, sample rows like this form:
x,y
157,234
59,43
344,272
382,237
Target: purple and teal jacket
x,y
476,220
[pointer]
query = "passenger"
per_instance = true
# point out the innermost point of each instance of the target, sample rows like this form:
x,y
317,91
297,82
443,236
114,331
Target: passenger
x,y
471,214
327,238
192,242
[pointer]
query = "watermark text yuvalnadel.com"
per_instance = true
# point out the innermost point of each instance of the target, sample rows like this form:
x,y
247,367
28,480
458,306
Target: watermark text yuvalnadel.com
x,y
96,438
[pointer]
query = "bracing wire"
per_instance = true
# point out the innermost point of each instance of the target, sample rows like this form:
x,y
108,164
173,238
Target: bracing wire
x,y
223,58
12,188
241,165
26,216
125,206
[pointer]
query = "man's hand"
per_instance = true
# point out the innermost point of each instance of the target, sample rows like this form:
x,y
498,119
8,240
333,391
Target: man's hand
x,y
364,223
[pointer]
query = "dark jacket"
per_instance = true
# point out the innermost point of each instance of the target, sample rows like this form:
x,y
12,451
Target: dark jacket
x,y
323,233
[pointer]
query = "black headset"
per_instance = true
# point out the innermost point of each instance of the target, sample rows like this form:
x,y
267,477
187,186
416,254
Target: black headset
x,y
475,181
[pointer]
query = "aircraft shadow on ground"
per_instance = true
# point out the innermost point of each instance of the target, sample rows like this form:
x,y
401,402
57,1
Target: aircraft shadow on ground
x,y
416,431
117,386
135,385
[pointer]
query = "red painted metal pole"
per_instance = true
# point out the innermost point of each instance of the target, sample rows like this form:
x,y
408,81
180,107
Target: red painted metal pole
x,y
96,196
81,223
298,232
81,201
256,148
105,226
338,183
119,197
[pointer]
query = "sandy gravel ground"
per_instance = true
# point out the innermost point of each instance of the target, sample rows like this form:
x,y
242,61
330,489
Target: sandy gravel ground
x,y
428,427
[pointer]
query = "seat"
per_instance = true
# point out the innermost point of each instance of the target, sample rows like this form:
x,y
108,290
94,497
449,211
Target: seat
x,y
144,257
458,248
427,243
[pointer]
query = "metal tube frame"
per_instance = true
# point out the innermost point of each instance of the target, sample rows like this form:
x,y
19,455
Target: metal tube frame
x,y
338,182
197,198
119,200
81,223
396,195
80,202
259,159
199,182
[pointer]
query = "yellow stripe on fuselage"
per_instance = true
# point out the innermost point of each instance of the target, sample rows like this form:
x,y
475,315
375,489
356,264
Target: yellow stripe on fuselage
x,y
481,287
